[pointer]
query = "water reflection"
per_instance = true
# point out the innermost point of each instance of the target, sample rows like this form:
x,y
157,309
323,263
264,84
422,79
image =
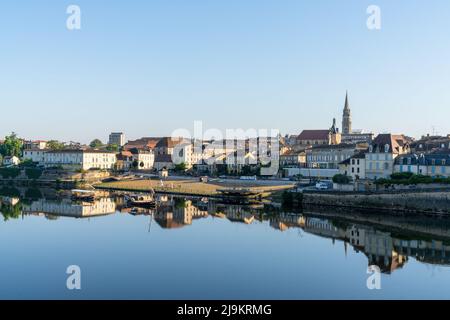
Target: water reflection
x,y
386,241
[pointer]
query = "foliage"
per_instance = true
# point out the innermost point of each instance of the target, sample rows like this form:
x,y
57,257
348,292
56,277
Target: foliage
x,y
401,175
11,212
33,193
9,192
413,179
341,178
113,147
27,163
247,170
33,173
9,172
289,199
180,167
96,143
222,169
180,203
12,146
55,145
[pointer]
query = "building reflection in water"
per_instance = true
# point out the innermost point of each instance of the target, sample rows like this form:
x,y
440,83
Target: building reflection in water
x,y
68,208
388,250
175,212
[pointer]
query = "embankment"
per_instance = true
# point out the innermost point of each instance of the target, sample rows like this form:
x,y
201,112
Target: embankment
x,y
436,202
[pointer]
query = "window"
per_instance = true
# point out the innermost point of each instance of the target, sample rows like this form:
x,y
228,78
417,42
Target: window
x,y
357,161
386,166
386,148
443,170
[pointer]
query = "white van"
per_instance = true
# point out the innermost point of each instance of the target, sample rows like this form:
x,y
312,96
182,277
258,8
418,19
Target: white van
x,y
321,186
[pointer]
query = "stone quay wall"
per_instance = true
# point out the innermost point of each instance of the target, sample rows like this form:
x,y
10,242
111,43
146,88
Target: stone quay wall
x,y
425,201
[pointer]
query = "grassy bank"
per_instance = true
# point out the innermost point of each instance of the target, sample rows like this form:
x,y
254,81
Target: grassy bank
x,y
187,186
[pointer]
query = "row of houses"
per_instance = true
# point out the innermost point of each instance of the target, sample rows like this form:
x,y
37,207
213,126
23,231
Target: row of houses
x,y
385,155
322,156
147,154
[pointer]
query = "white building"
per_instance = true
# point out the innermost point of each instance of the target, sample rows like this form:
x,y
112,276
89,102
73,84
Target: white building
x,y
434,165
11,161
35,144
80,159
354,167
35,155
144,159
171,151
382,153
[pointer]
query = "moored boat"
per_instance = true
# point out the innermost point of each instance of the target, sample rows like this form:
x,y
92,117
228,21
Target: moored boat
x,y
141,200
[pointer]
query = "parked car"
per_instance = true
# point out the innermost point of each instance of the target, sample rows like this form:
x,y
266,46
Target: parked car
x,y
321,186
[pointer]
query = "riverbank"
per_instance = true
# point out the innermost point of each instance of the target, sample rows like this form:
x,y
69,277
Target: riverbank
x,y
192,187
430,202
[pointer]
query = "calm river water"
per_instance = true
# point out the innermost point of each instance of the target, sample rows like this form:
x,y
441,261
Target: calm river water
x,y
200,249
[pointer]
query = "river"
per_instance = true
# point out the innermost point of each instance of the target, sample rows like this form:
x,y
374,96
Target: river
x,y
201,249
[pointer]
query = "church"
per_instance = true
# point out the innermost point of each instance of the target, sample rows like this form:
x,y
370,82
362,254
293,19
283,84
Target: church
x,y
348,135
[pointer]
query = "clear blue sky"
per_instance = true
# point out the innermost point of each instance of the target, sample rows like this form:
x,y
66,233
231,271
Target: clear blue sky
x,y
148,67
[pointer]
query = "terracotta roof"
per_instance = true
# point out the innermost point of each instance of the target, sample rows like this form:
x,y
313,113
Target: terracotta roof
x,y
314,135
169,142
145,142
126,153
292,153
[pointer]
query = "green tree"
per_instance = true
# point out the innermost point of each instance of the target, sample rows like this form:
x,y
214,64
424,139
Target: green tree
x,y
12,146
113,147
341,178
55,145
11,212
96,143
180,167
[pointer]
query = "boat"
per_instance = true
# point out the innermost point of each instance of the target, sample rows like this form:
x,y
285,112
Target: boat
x,y
141,200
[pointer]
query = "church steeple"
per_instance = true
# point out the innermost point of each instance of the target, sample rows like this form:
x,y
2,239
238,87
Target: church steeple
x,y
346,117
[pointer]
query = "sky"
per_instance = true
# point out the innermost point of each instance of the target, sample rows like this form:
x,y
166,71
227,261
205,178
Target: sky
x,y
149,67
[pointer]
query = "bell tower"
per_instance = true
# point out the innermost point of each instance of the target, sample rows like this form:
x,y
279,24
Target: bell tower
x,y
346,118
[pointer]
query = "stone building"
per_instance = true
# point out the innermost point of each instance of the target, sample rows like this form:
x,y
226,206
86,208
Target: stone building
x,y
382,153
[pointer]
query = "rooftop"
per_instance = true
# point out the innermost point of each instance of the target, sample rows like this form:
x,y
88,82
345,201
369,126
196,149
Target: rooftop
x,y
314,135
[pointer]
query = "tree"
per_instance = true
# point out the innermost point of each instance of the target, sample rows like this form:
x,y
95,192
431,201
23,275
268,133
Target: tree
x,y
112,147
96,143
55,145
180,167
341,178
12,146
